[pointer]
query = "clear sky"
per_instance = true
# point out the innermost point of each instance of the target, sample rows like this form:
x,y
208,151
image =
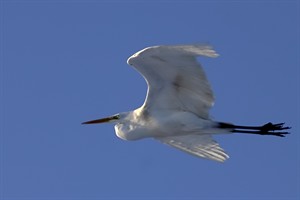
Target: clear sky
x,y
64,62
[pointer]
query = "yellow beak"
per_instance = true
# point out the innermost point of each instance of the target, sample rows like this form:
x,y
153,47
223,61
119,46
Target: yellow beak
x,y
102,120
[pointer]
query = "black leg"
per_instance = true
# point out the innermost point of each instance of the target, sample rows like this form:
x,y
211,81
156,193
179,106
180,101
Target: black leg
x,y
267,129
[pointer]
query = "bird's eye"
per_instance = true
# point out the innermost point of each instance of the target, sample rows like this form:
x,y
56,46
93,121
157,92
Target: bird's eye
x,y
116,117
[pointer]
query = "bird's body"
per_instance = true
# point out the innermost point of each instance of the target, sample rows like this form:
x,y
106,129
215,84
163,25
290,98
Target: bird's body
x,y
176,109
141,124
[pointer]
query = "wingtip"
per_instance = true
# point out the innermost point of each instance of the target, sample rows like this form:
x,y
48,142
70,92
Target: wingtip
x,y
202,50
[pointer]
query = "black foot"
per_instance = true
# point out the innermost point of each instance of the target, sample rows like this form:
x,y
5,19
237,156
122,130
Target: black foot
x,y
273,129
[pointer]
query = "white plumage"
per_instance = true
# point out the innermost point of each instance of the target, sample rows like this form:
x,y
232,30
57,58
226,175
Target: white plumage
x,y
176,109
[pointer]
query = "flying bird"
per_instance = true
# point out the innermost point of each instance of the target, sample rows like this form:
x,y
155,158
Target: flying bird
x,y
176,108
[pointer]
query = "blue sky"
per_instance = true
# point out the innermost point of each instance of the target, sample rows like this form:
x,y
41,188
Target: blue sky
x,y
64,62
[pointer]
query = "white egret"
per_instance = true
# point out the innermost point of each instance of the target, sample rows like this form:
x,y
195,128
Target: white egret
x,y
176,109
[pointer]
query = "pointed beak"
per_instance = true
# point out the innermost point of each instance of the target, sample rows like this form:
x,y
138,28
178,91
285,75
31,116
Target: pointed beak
x,y
102,120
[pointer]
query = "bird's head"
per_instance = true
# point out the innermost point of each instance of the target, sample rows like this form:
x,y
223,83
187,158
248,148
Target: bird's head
x,y
123,126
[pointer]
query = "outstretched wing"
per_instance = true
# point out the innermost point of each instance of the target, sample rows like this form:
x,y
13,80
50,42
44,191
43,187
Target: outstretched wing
x,y
175,79
198,145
